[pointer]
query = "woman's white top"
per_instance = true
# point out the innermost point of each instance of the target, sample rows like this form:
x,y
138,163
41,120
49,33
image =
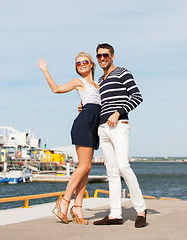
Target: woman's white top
x,y
90,94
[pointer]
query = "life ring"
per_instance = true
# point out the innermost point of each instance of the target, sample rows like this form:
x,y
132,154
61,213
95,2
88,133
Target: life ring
x,y
19,153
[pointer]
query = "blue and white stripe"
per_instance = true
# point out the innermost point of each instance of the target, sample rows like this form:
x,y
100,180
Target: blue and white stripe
x,y
118,92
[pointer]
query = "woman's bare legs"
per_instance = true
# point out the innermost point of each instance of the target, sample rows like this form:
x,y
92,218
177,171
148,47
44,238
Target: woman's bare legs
x,y
78,179
79,194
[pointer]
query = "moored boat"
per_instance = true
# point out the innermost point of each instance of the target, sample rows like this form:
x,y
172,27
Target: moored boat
x,y
15,176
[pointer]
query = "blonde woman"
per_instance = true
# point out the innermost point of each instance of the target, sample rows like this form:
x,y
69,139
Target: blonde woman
x,y
83,132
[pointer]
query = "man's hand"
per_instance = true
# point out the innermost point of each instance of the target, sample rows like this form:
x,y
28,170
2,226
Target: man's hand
x,y
113,119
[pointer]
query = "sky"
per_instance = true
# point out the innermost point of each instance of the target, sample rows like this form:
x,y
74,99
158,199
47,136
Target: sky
x,y
149,38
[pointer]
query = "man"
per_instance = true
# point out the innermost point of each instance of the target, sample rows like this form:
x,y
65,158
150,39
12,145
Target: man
x,y
119,95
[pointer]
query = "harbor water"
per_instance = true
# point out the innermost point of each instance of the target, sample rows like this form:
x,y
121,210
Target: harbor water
x,y
158,179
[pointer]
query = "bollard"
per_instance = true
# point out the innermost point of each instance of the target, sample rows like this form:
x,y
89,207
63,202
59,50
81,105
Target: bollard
x,y
5,166
124,193
68,169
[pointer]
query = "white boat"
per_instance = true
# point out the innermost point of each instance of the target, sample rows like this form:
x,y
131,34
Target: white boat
x,y
15,176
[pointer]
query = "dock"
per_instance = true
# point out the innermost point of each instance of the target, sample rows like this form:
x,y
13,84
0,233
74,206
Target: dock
x,y
166,220
64,178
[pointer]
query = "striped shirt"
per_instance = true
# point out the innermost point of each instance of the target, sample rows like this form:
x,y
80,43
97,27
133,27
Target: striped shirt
x,y
118,93
90,94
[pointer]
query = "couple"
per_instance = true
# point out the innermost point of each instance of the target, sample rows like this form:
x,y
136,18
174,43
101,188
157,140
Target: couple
x,y
104,113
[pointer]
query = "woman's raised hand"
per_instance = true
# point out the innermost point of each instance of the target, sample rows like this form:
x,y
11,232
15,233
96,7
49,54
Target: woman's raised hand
x,y
42,64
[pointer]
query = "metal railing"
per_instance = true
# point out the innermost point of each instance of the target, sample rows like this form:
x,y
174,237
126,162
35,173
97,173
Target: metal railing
x,y
128,195
165,198
29,197
60,194
100,191
107,192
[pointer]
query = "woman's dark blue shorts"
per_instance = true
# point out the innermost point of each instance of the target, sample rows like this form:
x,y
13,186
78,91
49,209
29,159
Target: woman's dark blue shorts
x,y
85,127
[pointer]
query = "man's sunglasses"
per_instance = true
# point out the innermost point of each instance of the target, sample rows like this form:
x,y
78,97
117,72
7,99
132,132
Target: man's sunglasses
x,y
85,63
104,55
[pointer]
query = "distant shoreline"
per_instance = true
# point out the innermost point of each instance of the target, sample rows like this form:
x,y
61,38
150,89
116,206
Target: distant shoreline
x,y
157,161
144,161
99,160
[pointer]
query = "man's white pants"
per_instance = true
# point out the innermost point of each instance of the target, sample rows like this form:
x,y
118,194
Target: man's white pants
x,y
114,142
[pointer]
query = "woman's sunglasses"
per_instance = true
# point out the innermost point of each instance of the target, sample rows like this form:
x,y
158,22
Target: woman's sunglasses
x,y
105,55
85,63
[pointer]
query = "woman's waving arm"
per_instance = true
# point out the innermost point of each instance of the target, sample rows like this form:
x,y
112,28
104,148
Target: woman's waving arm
x,y
67,87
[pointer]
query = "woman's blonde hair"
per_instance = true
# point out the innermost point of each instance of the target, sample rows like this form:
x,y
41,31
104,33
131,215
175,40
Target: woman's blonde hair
x,y
83,54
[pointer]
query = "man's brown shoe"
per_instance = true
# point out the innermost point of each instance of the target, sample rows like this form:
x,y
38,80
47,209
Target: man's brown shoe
x,y
140,221
107,221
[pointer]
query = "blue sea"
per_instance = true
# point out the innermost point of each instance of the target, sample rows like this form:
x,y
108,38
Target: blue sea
x,y
158,179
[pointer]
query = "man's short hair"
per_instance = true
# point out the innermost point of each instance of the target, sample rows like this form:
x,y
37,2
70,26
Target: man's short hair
x,y
107,46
